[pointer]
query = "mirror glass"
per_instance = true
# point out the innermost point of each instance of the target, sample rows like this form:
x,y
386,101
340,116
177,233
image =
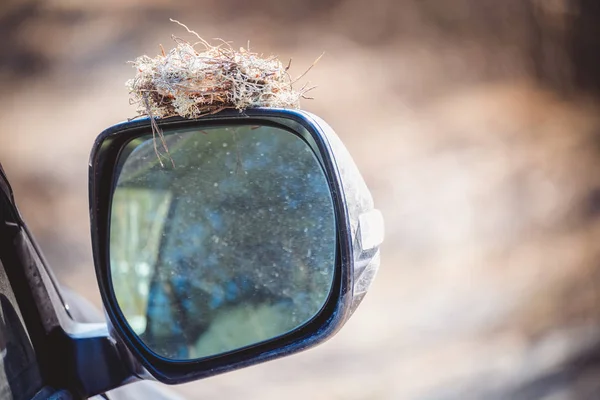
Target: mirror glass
x,y
233,245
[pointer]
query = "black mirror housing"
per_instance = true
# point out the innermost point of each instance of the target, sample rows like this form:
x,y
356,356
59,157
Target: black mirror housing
x,y
358,225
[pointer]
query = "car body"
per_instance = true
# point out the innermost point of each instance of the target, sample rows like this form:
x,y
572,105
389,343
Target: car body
x,y
36,312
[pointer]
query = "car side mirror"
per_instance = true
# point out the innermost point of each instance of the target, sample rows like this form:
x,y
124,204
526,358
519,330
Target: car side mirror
x,y
256,240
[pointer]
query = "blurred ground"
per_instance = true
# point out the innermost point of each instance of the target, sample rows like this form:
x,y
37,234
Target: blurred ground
x,y
475,124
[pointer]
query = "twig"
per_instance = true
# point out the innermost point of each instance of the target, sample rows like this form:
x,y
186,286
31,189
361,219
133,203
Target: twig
x,y
157,131
309,68
192,32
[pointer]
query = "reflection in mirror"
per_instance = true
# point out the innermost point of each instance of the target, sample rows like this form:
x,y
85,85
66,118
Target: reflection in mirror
x,y
232,246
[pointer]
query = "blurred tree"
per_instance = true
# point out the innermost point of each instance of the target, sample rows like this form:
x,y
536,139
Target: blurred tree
x,y
251,224
585,46
18,59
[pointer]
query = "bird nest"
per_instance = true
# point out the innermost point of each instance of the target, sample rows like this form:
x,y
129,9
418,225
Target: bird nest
x,y
191,82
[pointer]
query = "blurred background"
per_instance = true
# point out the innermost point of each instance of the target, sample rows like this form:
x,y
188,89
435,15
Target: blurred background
x,y
475,124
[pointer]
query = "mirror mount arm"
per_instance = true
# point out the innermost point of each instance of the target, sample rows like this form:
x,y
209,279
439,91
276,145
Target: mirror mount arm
x,y
96,362
83,358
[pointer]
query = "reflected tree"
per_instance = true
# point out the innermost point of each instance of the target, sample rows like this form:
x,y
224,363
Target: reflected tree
x,y
250,229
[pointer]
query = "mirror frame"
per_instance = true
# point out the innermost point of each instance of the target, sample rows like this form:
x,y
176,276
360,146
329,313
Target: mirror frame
x,y
357,250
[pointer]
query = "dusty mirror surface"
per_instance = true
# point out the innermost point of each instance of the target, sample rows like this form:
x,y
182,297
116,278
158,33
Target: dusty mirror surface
x,y
232,246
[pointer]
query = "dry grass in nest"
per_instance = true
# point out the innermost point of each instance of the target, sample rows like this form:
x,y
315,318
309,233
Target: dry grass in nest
x,y
191,83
